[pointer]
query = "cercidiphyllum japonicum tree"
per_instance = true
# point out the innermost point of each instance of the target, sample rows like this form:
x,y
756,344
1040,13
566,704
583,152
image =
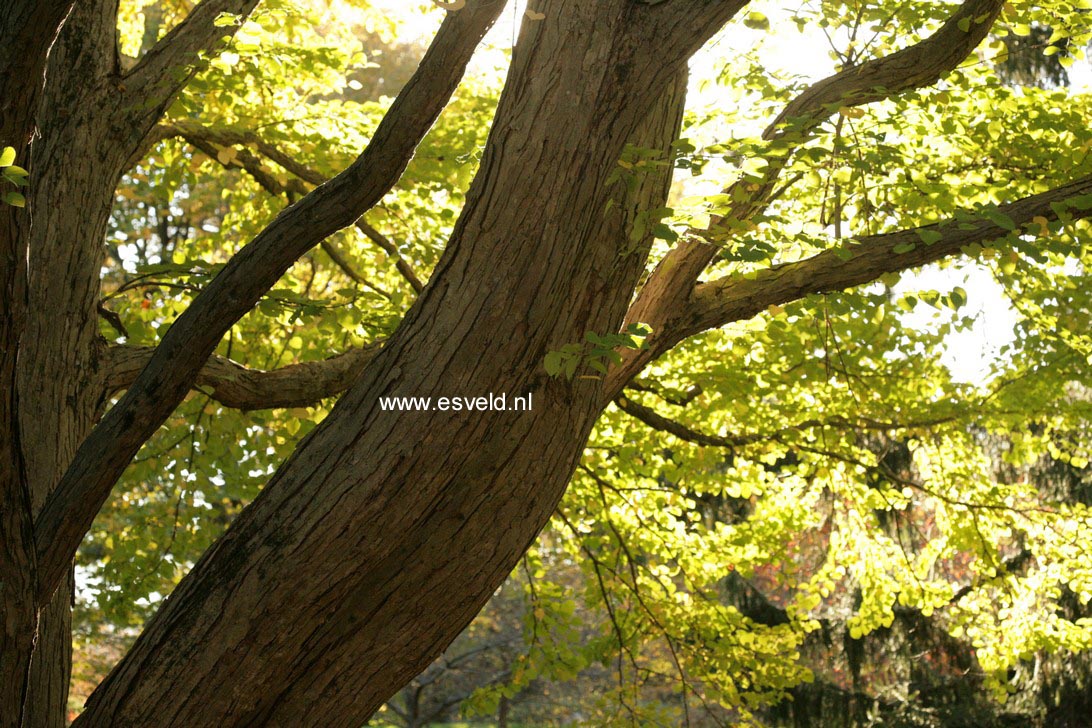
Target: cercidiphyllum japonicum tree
x,y
768,297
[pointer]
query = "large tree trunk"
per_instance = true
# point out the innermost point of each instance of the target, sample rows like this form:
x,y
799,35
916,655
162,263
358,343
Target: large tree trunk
x,y
386,532
32,688
58,360
314,608
76,160
310,610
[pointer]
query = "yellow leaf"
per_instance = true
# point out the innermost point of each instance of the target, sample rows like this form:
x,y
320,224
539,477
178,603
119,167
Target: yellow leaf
x,y
227,155
1042,222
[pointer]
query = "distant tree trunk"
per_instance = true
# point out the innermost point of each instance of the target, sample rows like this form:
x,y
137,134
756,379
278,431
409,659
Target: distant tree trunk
x,y
502,712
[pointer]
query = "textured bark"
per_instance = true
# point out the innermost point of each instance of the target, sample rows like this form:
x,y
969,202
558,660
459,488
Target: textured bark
x,y
314,608
70,195
314,597
28,30
173,368
236,386
52,258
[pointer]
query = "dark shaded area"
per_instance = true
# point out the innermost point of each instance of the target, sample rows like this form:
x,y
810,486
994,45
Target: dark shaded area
x,y
1028,65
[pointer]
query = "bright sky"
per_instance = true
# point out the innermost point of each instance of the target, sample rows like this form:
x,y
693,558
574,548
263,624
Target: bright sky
x,y
968,354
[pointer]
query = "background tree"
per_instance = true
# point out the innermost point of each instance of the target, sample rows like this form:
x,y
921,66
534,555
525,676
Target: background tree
x,y
315,605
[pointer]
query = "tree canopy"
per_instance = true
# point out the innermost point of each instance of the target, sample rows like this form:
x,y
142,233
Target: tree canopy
x,y
839,467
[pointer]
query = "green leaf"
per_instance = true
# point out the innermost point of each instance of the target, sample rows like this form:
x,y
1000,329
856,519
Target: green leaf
x,y
958,297
7,156
16,179
15,199
929,236
757,21
223,20
1082,202
569,367
903,248
552,363
999,219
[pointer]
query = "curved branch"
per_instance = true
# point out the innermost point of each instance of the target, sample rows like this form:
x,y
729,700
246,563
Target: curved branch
x,y
734,298
665,294
268,182
920,65
202,137
233,385
169,65
191,340
656,421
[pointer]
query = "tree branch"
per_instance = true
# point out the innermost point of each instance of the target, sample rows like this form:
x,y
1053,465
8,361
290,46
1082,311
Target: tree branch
x,y
169,65
676,29
918,66
201,137
28,29
233,385
656,421
268,182
668,289
734,298
191,340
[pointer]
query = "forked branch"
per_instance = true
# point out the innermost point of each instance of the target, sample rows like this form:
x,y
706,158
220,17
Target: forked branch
x,y
170,63
191,340
667,291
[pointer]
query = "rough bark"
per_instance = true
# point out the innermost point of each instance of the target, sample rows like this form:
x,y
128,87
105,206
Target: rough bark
x,y
387,507
28,30
236,386
50,371
173,368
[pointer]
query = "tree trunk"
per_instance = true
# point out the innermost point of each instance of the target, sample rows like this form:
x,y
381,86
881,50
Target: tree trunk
x,y
32,691
75,164
386,532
